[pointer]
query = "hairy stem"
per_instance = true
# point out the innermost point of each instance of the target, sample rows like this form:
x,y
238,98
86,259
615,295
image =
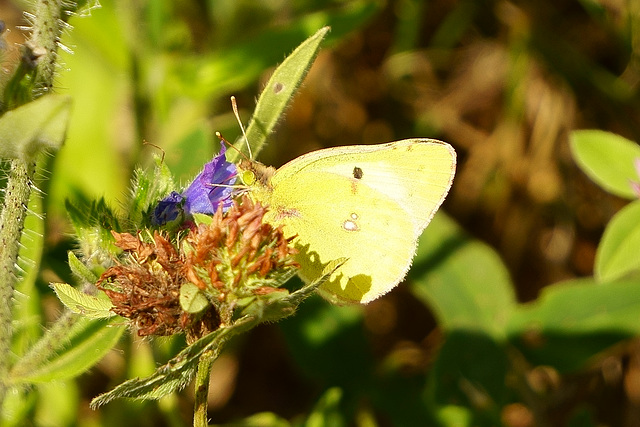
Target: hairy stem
x,y
47,27
200,417
14,211
45,36
48,344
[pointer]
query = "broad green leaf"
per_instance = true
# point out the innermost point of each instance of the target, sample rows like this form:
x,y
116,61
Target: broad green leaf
x,y
34,127
93,307
608,159
192,300
619,249
278,93
573,321
85,343
462,280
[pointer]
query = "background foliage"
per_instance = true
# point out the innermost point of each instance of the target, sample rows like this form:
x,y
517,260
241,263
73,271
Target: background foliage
x,y
503,320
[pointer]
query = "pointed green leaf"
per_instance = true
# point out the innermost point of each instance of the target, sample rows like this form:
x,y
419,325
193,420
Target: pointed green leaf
x,y
608,159
618,251
278,93
33,127
86,342
93,307
80,270
179,371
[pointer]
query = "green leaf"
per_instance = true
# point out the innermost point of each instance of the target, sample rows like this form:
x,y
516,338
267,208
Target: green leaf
x,y
192,300
89,306
85,343
462,280
278,92
34,127
573,321
179,371
278,305
617,254
607,159
80,270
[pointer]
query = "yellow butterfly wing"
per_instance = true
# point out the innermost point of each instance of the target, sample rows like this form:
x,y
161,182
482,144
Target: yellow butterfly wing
x,y
367,203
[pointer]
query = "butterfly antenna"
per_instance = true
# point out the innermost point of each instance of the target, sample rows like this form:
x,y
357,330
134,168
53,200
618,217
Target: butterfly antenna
x,y
229,145
156,146
234,106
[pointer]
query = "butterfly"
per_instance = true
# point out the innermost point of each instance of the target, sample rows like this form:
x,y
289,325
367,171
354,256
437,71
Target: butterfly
x,y
368,204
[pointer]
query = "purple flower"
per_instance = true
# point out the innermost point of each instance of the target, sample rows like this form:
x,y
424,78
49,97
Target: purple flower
x,y
212,187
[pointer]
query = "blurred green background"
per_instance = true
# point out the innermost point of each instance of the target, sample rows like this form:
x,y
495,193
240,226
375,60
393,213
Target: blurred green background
x,y
503,81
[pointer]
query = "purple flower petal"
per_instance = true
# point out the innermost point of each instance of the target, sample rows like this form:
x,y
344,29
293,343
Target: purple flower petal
x,y
212,187
169,209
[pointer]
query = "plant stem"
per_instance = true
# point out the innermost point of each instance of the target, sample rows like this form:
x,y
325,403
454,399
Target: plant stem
x,y
14,211
45,35
200,417
46,346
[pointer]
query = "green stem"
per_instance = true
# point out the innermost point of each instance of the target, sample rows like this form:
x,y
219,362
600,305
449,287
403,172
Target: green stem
x,y
14,211
46,346
45,36
200,417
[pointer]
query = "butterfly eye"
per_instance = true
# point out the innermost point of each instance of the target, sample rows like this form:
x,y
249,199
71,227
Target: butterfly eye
x,y
357,173
248,177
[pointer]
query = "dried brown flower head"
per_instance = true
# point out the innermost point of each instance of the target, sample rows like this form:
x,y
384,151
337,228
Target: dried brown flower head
x,y
233,257
146,287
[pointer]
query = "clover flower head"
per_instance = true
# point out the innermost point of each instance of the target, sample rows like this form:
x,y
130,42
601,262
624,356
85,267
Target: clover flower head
x,y
234,257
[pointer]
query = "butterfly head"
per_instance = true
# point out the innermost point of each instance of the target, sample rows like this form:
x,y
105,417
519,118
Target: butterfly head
x,y
255,173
